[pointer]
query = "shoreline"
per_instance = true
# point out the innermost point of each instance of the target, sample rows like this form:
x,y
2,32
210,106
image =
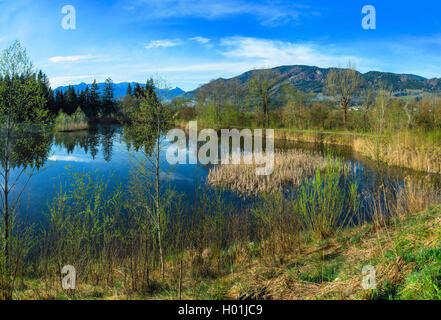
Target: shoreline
x,y
403,149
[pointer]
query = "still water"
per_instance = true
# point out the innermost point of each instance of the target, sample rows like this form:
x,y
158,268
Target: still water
x,y
103,152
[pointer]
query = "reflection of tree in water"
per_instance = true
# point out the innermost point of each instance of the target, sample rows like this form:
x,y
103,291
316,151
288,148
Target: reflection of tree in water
x,y
91,141
107,134
27,146
70,140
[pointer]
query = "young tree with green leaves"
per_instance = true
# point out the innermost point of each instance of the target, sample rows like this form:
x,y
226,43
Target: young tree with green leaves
x,y
149,124
294,105
25,125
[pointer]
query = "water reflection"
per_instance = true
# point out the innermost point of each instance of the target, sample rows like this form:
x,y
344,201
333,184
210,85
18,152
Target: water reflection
x,y
106,150
91,141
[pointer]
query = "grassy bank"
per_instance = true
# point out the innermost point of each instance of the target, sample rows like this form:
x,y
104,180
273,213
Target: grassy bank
x,y
405,251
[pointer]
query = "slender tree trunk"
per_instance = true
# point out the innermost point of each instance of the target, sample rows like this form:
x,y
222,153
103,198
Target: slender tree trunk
x,y
147,267
345,115
158,208
6,217
6,212
180,279
265,112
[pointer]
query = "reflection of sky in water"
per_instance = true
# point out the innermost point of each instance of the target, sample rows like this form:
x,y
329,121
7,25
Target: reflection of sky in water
x,y
112,163
46,183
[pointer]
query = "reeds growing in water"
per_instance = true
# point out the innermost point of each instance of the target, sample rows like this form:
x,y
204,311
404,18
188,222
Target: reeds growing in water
x,y
290,168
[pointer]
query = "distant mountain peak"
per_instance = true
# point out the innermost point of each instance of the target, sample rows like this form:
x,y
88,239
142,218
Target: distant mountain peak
x,y
121,89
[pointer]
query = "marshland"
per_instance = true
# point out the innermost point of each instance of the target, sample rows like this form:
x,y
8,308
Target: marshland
x,y
86,183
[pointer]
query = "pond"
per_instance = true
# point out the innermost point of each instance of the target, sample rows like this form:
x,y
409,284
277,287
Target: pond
x,y
103,151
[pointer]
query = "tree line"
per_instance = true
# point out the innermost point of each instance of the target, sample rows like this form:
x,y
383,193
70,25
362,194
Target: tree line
x,y
91,101
347,104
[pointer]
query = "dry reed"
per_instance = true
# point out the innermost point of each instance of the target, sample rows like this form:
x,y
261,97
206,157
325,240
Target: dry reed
x,y
290,167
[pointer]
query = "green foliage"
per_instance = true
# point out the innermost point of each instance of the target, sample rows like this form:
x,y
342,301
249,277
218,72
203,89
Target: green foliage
x,y
83,218
108,104
328,201
276,220
76,121
259,87
148,121
25,143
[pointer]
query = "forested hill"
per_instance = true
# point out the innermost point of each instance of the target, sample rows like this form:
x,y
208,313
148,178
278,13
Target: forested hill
x,y
120,89
313,79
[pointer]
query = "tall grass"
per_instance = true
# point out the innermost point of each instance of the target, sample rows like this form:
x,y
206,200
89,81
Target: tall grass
x,y
277,225
76,121
328,202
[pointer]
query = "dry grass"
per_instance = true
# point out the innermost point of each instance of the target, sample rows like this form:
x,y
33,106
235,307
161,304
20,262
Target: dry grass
x,y
407,149
404,149
290,167
374,247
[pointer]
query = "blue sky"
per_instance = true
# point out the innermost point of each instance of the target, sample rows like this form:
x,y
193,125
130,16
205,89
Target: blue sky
x,y
188,42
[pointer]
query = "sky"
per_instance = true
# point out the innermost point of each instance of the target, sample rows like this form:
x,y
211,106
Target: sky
x,y
188,43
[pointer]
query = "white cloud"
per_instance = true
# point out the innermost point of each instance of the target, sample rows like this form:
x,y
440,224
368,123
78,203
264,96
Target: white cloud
x,y
201,40
59,59
163,44
203,67
267,12
68,158
272,53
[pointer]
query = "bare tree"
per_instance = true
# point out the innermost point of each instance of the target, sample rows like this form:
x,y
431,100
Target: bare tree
x,y
343,85
216,94
260,87
236,91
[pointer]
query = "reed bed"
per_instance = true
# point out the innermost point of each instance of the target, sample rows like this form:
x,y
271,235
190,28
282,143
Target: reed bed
x,y
75,122
290,168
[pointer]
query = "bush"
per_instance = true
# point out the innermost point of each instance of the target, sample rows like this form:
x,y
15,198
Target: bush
x,y
74,122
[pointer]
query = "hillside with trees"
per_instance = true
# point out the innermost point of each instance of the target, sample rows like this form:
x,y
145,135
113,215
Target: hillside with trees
x,y
311,79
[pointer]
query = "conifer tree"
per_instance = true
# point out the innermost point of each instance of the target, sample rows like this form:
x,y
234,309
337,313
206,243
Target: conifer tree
x,y
94,101
108,102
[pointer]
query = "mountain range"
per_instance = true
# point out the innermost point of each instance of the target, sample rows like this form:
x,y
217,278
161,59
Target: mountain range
x,y
313,79
304,78
121,89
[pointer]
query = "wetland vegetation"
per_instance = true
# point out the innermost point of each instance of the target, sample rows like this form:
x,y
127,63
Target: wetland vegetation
x,y
135,227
